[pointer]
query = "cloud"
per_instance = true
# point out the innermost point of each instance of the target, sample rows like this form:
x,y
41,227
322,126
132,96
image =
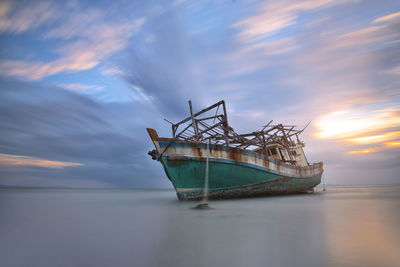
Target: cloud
x,y
389,17
375,35
89,39
16,160
162,71
363,151
44,122
256,56
80,87
343,124
335,67
112,70
347,68
273,16
373,139
22,17
357,130
392,144
393,71
5,7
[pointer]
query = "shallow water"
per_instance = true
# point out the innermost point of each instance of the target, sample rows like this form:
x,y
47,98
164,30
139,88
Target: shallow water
x,y
344,226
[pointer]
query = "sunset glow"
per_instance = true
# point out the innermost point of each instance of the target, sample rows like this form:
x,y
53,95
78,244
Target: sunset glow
x,y
354,127
341,124
14,160
363,151
392,144
373,139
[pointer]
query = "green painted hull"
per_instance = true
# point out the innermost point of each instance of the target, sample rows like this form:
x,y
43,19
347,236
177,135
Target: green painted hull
x,y
230,179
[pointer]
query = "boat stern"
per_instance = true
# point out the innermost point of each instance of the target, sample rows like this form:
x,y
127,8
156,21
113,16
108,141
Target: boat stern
x,y
154,138
153,134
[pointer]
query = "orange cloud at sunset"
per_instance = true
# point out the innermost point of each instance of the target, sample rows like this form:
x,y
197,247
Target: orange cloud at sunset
x,y
349,123
388,17
373,139
355,127
363,151
392,144
14,160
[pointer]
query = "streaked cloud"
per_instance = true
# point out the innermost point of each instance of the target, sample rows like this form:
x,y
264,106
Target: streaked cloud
x,y
343,124
354,129
27,16
80,87
256,53
363,151
393,71
273,16
113,70
376,34
354,104
91,39
15,160
43,121
373,139
389,17
392,144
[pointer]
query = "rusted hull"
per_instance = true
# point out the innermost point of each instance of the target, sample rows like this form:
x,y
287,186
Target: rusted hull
x,y
232,172
229,179
279,186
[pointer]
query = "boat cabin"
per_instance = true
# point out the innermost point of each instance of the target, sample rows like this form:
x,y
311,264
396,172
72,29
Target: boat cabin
x,y
279,152
210,125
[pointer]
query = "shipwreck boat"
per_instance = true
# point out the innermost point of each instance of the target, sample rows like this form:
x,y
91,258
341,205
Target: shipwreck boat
x,y
264,162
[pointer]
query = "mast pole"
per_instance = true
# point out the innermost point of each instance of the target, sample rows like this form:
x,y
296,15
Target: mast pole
x,y
226,125
196,130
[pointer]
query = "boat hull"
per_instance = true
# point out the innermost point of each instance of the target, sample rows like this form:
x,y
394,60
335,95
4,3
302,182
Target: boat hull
x,y
231,179
232,172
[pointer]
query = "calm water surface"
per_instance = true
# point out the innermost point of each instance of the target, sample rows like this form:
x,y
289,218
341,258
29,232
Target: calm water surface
x,y
345,226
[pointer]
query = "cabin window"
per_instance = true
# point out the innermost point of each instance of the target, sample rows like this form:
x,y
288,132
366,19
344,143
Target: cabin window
x,y
273,151
282,154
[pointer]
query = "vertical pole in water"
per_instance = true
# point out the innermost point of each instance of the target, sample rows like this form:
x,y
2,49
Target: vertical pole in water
x,y
226,125
196,129
204,202
205,198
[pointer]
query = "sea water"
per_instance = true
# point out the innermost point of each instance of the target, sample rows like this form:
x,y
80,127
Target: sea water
x,y
344,226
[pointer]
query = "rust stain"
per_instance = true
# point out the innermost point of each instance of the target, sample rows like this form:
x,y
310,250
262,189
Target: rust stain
x,y
212,153
199,153
232,155
281,185
235,154
266,163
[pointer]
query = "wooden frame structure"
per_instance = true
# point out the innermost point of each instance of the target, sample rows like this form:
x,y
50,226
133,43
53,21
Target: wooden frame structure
x,y
211,125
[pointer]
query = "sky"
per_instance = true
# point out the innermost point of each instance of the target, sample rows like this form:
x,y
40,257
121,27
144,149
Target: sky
x,y
80,81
